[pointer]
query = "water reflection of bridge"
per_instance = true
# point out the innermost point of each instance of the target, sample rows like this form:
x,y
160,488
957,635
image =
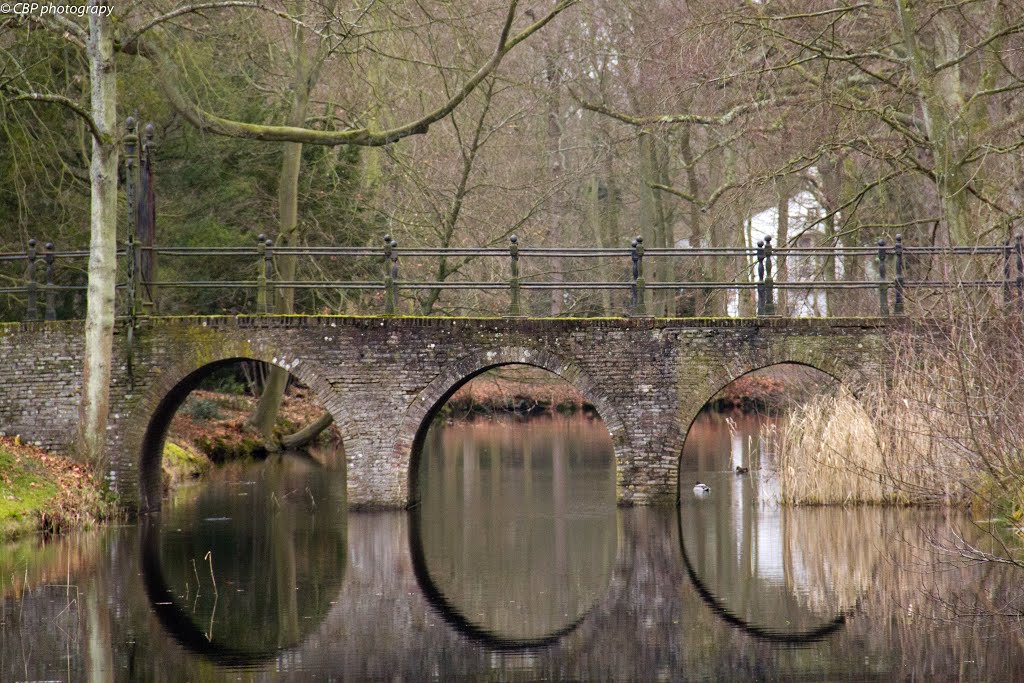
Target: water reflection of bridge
x,y
383,624
625,576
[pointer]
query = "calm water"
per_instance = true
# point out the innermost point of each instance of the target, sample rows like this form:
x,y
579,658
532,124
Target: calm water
x,y
517,566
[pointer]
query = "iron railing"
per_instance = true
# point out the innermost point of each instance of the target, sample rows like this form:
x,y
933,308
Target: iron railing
x,y
934,268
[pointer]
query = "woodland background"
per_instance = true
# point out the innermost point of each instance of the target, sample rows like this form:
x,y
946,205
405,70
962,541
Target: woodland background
x,y
689,123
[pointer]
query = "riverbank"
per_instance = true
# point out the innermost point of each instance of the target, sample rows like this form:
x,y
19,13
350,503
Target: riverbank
x,y
216,425
45,492
532,392
523,391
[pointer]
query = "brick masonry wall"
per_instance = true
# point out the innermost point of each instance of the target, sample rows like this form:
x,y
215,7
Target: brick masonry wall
x,y
382,378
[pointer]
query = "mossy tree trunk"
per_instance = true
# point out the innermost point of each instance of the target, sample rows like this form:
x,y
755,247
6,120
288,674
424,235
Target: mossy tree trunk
x,y
305,71
99,317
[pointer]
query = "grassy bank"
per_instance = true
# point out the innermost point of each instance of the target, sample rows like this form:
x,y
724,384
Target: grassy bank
x,y
41,491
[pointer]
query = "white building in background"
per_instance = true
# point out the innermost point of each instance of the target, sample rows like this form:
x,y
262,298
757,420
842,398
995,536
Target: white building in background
x,y
804,211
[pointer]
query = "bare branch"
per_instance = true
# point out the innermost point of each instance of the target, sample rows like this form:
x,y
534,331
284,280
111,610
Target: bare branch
x,y
189,9
358,136
821,13
1009,30
679,119
23,96
126,45
58,23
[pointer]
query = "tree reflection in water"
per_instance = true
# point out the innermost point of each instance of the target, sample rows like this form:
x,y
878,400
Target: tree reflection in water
x,y
509,547
249,565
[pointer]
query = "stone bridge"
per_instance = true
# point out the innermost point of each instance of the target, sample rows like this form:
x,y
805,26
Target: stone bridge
x,y
383,378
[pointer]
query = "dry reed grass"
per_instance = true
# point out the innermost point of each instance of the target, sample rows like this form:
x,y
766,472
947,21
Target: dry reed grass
x,y
827,453
838,450
945,426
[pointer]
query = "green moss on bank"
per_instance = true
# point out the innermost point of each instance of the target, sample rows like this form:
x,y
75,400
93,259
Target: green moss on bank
x,y
40,491
181,464
26,491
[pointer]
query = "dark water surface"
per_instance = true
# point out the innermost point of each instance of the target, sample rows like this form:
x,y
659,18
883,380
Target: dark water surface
x,y
516,566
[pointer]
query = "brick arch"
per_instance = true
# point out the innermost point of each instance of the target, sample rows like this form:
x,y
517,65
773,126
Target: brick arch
x,y
145,427
835,367
819,359
432,397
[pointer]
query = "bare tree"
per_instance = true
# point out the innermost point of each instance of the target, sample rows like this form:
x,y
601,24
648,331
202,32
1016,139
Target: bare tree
x,y
152,34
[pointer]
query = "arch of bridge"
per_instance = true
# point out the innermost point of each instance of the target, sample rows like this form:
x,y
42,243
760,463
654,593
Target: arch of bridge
x,y
816,356
145,427
418,416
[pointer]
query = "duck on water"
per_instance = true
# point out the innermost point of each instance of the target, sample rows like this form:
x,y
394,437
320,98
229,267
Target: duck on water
x,y
700,489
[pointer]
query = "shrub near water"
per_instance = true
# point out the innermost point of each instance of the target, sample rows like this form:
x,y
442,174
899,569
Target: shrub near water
x,y
836,450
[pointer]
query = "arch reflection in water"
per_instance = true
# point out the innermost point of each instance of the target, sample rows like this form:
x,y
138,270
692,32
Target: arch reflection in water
x,y
248,563
515,539
779,574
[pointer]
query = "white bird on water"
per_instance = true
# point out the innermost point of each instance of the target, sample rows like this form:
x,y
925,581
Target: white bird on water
x,y
700,490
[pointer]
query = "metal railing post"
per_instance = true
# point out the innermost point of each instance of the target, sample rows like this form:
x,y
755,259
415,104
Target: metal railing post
x,y
760,278
1007,270
131,180
1020,269
32,309
514,308
390,275
130,289
268,273
146,223
394,274
883,286
633,276
51,304
641,282
898,303
769,281
389,301
261,274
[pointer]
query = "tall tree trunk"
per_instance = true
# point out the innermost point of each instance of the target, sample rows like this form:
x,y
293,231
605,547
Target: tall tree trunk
x,y
832,184
697,237
611,230
940,95
746,306
99,317
596,207
265,416
664,235
556,168
782,240
715,302
652,219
